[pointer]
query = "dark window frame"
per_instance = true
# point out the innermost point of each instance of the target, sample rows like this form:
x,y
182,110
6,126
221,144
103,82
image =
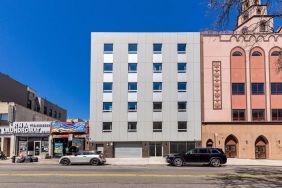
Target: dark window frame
x,y
104,124
133,70
157,48
256,90
278,114
156,124
276,88
179,104
108,48
237,88
129,126
132,48
181,123
256,115
157,104
238,116
180,47
108,71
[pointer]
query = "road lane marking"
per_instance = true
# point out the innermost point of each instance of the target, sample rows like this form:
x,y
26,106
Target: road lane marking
x,y
138,175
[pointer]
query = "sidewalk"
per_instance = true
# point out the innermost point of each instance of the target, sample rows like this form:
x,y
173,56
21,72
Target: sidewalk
x,y
158,161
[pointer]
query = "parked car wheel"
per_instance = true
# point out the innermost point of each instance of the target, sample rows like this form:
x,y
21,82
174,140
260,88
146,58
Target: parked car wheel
x,y
94,162
65,162
178,162
215,162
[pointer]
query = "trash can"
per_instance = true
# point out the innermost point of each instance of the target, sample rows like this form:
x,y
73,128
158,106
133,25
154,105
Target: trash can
x,y
14,159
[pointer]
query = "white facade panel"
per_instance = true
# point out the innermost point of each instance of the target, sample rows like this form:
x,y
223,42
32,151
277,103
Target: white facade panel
x,y
157,58
181,58
108,77
182,96
182,77
157,77
157,116
158,96
107,117
132,77
132,116
108,58
132,58
132,96
107,97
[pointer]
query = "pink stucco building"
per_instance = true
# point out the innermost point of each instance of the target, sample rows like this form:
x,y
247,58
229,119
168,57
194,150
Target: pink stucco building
x,y
242,87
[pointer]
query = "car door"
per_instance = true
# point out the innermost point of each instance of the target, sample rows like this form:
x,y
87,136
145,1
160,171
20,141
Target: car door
x,y
204,155
192,156
77,158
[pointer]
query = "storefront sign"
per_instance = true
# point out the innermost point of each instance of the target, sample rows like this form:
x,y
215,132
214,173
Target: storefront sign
x,y
66,127
58,149
30,127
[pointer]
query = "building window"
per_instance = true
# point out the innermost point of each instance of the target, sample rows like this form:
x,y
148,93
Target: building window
x,y
132,48
107,106
45,109
132,106
276,114
258,115
256,53
238,89
107,126
181,86
157,106
50,112
257,88
4,117
182,106
276,88
157,86
132,87
107,87
182,126
157,67
132,126
262,26
237,53
108,48
29,104
108,67
132,67
55,114
157,126
60,115
181,67
276,53
238,115
157,48
181,48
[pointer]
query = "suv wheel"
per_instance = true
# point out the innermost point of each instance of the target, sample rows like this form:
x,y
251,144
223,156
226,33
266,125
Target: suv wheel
x,y
178,162
215,162
94,162
65,162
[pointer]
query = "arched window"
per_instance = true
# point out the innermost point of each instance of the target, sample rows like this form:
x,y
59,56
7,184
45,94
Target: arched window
x,y
256,53
262,26
275,53
237,53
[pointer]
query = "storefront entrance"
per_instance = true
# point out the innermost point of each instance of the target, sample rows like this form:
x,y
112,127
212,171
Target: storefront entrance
x,y
231,143
35,146
7,146
156,149
261,147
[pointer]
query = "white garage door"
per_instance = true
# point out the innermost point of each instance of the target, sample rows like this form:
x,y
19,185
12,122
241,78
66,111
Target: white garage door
x,y
128,150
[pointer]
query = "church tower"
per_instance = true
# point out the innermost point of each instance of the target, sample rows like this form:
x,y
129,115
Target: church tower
x,y
253,18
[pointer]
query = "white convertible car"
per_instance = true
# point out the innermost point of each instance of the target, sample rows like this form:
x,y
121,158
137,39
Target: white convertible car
x,y
83,157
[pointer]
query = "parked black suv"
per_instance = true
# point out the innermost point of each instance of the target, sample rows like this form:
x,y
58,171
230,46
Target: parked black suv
x,y
212,156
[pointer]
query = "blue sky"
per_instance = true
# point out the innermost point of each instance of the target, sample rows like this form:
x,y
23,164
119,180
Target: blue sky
x,y
46,44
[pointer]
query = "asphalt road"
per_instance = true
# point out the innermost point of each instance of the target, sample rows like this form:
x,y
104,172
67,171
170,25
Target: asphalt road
x,y
55,176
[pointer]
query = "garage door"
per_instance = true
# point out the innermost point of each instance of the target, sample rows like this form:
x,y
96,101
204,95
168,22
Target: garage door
x,y
128,150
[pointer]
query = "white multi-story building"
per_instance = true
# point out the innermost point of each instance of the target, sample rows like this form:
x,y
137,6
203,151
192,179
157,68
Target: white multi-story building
x,y
145,93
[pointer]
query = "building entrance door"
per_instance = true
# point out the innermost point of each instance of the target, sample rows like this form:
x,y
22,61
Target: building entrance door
x,y
7,145
231,146
37,147
156,150
260,152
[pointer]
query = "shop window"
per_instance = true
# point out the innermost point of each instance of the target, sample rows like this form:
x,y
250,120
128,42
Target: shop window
x,y
156,149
